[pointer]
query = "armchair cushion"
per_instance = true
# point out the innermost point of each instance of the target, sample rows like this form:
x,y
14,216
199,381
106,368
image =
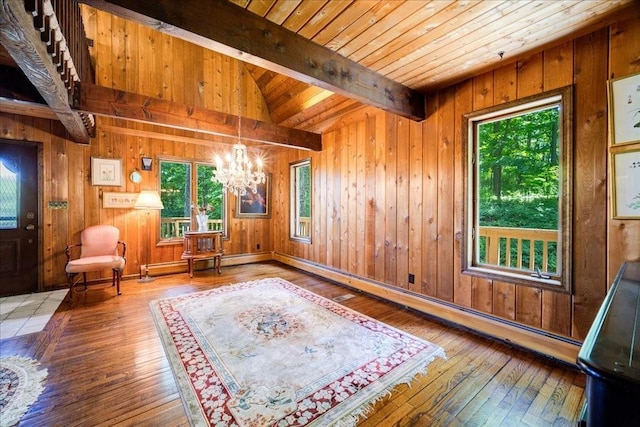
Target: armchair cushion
x,y
95,263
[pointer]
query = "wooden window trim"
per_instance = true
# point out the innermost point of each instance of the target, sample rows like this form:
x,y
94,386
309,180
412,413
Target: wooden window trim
x,y
563,283
292,210
194,164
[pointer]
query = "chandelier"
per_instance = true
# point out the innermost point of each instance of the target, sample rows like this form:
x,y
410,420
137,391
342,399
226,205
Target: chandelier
x,y
236,173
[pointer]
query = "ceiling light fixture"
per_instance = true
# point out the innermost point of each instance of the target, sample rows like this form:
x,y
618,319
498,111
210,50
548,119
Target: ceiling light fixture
x,y
236,174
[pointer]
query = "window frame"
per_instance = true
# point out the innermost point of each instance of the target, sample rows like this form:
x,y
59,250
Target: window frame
x,y
563,281
194,196
293,193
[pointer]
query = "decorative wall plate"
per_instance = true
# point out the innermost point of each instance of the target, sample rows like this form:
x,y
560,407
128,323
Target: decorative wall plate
x,y
136,177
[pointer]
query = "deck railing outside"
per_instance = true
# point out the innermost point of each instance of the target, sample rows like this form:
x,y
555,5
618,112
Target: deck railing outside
x,y
175,227
494,241
303,227
522,248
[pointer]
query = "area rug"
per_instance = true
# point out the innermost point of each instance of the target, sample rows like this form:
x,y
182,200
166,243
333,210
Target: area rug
x,y
269,353
21,383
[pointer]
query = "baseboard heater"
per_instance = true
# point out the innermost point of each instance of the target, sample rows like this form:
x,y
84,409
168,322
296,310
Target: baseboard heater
x,y
539,341
176,267
559,347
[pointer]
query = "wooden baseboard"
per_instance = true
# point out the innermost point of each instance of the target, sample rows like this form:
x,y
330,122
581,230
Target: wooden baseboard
x,y
558,347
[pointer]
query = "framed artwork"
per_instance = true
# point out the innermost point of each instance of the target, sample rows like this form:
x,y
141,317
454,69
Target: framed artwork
x,y
119,200
255,205
624,107
107,172
626,184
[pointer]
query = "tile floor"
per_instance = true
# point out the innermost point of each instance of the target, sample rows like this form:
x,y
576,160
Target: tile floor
x,y
26,314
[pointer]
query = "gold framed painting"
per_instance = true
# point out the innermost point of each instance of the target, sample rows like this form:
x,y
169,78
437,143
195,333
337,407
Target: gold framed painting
x,y
624,109
255,205
625,194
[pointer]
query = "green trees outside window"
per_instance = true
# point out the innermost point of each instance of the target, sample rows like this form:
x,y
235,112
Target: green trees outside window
x,y
518,191
185,193
519,180
301,200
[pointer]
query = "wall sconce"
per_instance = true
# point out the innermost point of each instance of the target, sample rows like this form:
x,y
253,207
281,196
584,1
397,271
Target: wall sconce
x,y
146,163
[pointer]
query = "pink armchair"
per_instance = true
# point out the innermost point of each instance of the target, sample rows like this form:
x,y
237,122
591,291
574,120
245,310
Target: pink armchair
x,y
98,251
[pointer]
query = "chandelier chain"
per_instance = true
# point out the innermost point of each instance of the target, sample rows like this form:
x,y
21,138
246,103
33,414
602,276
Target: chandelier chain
x,y
237,174
239,100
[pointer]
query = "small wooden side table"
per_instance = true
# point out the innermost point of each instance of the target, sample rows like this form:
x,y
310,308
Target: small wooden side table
x,y
203,245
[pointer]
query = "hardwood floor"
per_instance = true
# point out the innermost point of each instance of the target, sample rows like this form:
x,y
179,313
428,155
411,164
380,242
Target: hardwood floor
x,y
107,366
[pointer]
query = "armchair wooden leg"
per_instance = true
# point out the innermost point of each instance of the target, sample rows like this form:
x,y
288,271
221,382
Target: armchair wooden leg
x,y
117,276
70,282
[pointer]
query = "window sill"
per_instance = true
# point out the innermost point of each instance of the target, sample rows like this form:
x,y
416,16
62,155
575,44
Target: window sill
x,y
173,241
301,239
553,283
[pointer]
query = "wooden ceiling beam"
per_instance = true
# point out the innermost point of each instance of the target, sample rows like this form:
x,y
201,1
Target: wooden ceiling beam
x,y
224,27
114,103
26,108
23,43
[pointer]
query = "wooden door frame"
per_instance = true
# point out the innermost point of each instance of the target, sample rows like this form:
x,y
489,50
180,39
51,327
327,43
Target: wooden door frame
x,y
40,250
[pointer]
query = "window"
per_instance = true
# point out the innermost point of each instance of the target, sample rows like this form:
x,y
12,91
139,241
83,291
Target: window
x,y
519,192
8,195
183,192
301,200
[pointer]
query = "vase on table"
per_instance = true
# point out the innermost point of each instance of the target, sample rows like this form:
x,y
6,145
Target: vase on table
x,y
202,220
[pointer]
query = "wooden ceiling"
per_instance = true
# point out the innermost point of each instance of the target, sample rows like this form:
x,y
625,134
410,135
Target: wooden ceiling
x,y
420,44
425,45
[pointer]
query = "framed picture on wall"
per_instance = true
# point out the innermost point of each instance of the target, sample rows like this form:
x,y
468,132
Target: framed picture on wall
x,y
624,108
119,200
625,167
255,205
106,172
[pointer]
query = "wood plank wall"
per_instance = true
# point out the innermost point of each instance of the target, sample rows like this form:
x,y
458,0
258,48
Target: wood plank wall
x,y
131,57
624,59
388,192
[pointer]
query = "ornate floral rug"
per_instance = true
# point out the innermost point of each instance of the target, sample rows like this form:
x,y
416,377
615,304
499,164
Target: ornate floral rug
x,y
20,385
268,353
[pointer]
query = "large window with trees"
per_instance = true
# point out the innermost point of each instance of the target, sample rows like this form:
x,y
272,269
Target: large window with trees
x,y
519,191
301,200
186,189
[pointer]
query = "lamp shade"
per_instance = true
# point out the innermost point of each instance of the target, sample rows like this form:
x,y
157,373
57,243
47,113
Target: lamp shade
x,y
149,199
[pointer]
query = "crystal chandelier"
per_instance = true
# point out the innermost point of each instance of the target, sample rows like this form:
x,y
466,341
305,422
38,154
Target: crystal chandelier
x,y
236,173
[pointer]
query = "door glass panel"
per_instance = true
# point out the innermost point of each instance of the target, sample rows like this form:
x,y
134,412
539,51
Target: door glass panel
x,y
8,194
